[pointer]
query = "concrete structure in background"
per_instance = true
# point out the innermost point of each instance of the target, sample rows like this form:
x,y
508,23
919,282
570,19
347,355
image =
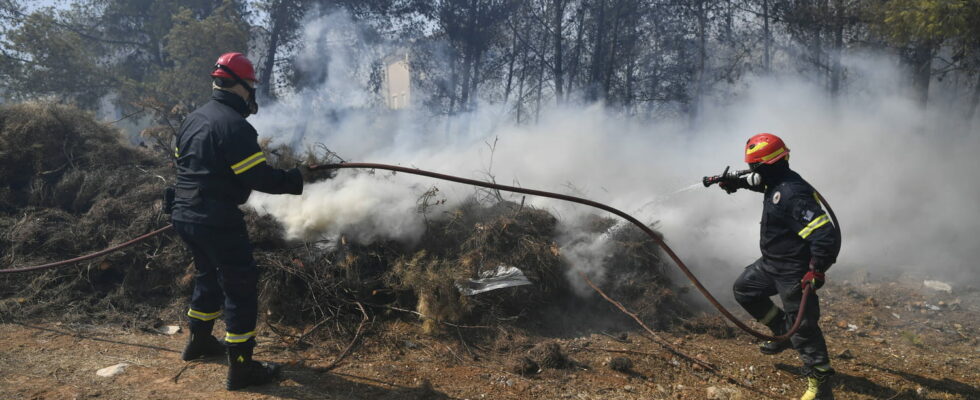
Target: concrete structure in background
x,y
397,82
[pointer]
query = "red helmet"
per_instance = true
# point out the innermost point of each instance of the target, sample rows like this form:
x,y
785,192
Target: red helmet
x,y
765,148
237,63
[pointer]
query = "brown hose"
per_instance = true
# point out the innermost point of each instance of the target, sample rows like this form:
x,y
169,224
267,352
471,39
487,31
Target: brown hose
x,y
88,256
670,252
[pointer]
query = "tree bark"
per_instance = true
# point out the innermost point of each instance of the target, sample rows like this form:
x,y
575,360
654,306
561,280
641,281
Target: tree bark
x,y
559,14
974,101
576,58
510,65
598,51
836,70
922,55
702,32
542,65
469,49
265,89
766,38
520,86
611,64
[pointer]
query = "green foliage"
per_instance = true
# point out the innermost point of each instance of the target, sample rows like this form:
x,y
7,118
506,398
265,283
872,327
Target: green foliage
x,y
44,58
191,47
934,21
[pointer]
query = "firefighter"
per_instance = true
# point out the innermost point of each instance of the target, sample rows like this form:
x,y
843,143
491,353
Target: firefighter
x,y
219,163
799,243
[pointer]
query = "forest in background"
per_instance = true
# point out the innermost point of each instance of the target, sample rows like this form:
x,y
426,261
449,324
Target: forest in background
x,y
648,59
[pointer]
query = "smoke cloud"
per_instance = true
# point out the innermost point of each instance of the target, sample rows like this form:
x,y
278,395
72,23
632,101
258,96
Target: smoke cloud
x,y
899,177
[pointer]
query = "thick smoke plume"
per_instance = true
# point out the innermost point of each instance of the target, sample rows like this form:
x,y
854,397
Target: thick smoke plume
x,y
900,177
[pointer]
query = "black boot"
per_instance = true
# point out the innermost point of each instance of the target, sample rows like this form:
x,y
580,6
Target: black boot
x,y
202,344
769,347
243,371
778,327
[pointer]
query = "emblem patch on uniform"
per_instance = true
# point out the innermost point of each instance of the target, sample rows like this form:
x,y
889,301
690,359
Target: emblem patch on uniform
x,y
808,216
776,197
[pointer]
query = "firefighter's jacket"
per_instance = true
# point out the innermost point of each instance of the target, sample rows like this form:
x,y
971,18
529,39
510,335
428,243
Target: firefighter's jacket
x,y
796,231
219,163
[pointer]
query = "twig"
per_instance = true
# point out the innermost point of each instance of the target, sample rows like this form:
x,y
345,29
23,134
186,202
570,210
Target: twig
x,y
184,368
357,335
640,353
312,329
277,331
128,115
465,346
655,338
430,318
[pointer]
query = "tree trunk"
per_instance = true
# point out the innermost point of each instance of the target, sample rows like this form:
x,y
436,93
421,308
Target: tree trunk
x,y
475,79
598,51
921,62
542,65
766,38
452,84
520,86
974,102
469,50
576,58
836,70
559,10
510,65
611,64
702,31
265,89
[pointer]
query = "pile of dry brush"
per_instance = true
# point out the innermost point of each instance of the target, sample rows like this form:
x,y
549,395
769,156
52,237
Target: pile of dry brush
x,y
70,186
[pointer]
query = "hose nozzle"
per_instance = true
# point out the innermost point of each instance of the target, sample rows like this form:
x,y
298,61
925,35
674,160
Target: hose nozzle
x,y
724,176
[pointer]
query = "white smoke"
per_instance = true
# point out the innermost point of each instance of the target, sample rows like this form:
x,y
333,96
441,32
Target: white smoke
x,y
899,178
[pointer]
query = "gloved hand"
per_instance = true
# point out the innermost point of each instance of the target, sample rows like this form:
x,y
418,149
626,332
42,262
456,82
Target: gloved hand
x,y
728,186
311,173
813,278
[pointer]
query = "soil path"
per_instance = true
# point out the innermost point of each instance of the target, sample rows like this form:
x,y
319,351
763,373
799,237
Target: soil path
x,y
888,342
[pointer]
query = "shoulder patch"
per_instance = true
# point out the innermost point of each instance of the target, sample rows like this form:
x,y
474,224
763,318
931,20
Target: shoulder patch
x,y
776,197
808,216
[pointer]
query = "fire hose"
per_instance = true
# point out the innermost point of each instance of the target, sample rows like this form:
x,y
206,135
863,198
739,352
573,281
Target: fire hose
x,y
807,289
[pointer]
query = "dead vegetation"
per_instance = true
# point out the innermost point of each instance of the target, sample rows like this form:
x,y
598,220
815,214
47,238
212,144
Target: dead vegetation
x,y
70,187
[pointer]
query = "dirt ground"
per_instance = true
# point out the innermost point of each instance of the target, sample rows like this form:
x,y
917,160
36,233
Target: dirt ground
x,y
889,340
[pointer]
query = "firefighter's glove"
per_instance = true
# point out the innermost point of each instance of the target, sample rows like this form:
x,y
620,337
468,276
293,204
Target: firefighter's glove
x,y
813,278
729,186
312,173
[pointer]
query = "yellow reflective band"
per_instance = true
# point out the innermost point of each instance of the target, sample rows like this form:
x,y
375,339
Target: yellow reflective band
x,y
176,152
774,154
773,313
246,160
820,221
249,166
238,338
202,315
757,147
248,163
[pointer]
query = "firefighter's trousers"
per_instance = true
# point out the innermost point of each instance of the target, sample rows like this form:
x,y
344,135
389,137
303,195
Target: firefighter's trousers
x,y
226,281
761,280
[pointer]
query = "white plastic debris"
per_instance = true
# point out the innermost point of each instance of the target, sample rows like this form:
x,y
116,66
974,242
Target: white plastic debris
x,y
938,286
114,370
502,277
169,329
852,327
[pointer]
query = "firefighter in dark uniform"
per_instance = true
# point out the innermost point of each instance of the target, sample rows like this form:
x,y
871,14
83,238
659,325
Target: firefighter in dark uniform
x,y
799,243
219,163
